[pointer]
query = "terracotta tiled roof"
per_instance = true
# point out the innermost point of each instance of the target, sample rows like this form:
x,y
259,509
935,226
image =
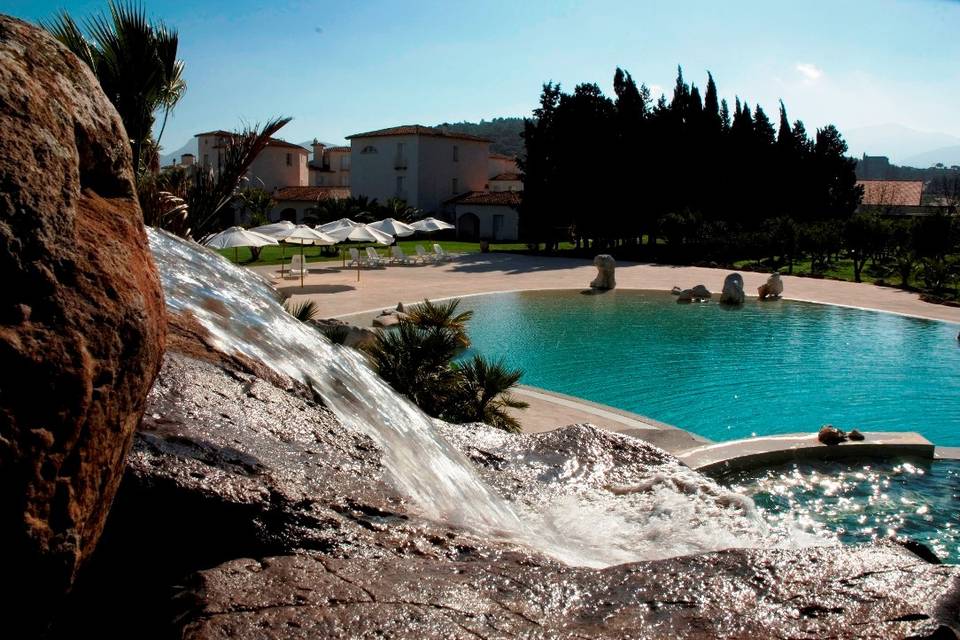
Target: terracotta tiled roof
x,y
491,198
506,176
417,130
337,149
501,156
894,193
311,194
273,142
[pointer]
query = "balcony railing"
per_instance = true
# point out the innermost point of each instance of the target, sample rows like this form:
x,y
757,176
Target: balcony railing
x,y
399,162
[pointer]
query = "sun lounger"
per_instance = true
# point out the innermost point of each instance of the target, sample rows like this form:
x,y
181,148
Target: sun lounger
x,y
374,258
440,254
397,256
423,256
356,260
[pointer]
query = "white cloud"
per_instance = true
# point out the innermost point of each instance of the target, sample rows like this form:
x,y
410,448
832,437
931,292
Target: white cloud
x,y
809,71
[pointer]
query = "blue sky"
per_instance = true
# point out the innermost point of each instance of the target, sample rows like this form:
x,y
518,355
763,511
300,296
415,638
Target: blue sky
x,y
342,67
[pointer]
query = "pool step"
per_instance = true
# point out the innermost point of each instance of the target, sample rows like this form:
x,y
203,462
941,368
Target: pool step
x,y
749,453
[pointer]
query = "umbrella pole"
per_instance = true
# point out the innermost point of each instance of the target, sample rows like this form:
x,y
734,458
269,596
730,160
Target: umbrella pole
x,y
302,265
236,255
282,247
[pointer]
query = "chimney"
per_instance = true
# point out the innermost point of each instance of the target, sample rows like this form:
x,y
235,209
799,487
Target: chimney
x,y
318,148
187,159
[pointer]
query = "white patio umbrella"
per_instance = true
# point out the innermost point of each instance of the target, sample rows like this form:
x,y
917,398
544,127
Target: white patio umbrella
x,y
238,237
276,230
366,233
393,227
303,235
430,225
342,223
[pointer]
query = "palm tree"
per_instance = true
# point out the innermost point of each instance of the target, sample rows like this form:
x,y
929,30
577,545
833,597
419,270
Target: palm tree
x,y
135,61
416,363
442,316
304,311
484,394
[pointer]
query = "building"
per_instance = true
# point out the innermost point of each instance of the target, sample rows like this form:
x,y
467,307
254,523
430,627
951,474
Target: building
x,y
299,204
280,164
424,166
874,168
891,197
487,215
330,166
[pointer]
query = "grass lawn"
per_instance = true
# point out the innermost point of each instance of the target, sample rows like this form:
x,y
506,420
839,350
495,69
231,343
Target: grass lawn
x,y
840,270
272,254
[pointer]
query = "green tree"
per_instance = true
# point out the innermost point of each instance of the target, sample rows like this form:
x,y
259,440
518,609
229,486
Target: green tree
x,y
483,394
864,235
135,61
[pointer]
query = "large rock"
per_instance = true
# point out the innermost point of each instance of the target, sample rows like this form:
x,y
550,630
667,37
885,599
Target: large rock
x,y
772,288
81,317
267,518
732,293
606,266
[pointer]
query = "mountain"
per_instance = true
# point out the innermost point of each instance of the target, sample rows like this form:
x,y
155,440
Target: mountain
x,y
505,133
903,145
949,156
189,147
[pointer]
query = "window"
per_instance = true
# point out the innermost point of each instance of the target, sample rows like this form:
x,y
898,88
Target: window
x,y
319,181
455,185
456,155
399,149
289,159
344,181
206,159
369,149
344,162
399,186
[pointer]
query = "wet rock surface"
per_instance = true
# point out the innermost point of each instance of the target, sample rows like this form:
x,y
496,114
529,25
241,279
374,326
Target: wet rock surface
x,y
259,515
81,317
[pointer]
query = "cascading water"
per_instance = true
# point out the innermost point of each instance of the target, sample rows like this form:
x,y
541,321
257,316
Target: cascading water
x,y
242,316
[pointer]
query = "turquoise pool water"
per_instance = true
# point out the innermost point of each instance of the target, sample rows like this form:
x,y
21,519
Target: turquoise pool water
x,y
764,368
864,501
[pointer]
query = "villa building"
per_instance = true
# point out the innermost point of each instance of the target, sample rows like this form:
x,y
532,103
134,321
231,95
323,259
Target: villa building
x,y
330,166
280,164
487,215
300,203
424,166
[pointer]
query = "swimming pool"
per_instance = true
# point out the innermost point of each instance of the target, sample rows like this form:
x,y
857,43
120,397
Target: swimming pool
x,y
864,501
727,373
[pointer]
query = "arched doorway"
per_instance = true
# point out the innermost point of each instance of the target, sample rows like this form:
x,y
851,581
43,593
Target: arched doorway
x,y
468,227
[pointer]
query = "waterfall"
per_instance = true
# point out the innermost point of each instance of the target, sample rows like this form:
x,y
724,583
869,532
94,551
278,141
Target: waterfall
x,y
240,311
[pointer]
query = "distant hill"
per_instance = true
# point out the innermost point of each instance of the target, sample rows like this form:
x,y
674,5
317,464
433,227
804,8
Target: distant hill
x,y
505,133
903,145
169,157
948,156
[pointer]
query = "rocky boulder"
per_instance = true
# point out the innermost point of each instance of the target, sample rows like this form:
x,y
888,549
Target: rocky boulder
x,y
249,511
772,288
606,266
81,317
698,293
732,293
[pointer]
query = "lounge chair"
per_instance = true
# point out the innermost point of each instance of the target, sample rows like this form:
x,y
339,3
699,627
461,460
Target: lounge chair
x,y
356,260
374,258
298,267
440,254
423,256
397,256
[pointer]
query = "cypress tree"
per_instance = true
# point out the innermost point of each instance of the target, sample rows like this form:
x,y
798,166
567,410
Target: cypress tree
x,y
711,108
762,127
724,115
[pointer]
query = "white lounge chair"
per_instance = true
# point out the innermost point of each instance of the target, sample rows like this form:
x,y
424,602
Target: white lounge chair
x,y
440,254
298,267
356,260
374,258
423,256
397,256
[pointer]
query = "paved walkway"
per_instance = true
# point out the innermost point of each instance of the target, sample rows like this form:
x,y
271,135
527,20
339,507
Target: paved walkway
x,y
338,292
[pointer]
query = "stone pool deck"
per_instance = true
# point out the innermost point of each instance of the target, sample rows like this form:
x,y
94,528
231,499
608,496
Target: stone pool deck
x,y
339,293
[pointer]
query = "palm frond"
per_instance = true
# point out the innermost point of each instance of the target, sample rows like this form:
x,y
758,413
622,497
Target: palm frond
x,y
304,311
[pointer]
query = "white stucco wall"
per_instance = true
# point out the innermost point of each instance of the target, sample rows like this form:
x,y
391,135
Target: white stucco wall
x,y
269,169
438,169
510,231
374,174
506,185
496,166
